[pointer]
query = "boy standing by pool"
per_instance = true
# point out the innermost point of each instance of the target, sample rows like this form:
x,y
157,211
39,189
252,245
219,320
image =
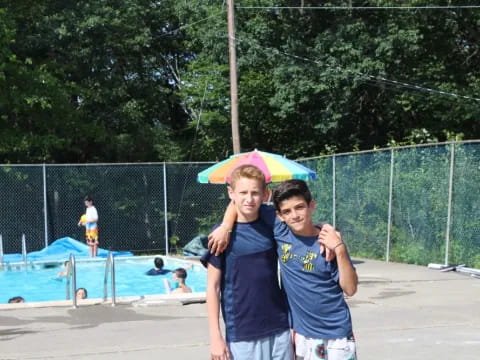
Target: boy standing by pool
x,y
319,315
91,228
253,306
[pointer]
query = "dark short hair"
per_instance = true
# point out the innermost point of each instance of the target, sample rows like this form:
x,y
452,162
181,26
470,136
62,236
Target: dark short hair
x,y
289,189
181,273
88,198
16,300
85,290
158,261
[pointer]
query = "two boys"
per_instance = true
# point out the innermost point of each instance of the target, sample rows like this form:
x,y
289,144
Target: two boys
x,y
319,316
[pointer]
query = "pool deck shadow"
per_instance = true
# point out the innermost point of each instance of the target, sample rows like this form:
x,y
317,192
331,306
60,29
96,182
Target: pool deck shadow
x,y
400,312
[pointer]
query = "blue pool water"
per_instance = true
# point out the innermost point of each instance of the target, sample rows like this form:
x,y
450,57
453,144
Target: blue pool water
x,y
41,284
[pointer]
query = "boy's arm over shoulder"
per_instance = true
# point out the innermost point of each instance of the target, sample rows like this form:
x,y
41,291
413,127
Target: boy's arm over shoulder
x,y
219,238
348,278
268,215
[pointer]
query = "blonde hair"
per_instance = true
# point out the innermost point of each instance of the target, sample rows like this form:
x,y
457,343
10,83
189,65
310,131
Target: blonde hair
x,y
249,172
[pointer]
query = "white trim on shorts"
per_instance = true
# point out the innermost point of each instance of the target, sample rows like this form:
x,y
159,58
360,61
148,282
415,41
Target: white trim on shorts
x,y
329,349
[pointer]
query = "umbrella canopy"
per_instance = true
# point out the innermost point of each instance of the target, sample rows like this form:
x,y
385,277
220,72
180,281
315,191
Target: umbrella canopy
x,y
275,167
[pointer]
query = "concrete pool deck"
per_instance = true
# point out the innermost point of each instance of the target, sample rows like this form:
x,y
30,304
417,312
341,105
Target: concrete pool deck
x,y
400,312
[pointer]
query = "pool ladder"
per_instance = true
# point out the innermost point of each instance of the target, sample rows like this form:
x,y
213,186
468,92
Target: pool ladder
x,y
71,277
109,268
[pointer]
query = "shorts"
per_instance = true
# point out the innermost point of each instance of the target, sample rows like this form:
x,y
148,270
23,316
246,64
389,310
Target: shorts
x,y
92,236
329,349
274,347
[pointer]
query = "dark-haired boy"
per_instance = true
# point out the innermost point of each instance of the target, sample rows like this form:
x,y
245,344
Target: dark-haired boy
x,y
319,315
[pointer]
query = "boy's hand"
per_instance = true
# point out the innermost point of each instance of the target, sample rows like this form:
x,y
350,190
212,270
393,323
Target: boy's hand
x,y
219,350
330,238
218,240
329,254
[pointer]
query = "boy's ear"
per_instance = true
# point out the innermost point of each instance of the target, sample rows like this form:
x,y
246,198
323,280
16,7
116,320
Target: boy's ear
x,y
230,192
312,205
267,195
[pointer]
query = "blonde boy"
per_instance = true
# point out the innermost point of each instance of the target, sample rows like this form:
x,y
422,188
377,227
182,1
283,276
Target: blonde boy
x,y
243,281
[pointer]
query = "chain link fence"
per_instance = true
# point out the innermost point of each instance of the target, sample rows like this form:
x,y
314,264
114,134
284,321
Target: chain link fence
x,y
142,207
416,204
413,204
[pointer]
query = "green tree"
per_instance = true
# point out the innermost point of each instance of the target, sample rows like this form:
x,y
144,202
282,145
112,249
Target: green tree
x,y
346,80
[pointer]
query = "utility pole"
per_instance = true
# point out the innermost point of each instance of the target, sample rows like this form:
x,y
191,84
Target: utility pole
x,y
233,76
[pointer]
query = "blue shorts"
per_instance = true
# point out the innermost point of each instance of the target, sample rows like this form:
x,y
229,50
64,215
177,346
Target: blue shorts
x,y
274,347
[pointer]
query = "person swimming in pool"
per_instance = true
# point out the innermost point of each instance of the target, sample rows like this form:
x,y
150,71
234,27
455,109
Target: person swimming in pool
x,y
158,269
16,300
178,286
64,271
81,293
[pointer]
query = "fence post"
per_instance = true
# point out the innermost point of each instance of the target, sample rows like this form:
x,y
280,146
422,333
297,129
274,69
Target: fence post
x,y
1,249
333,192
450,195
45,214
390,199
165,208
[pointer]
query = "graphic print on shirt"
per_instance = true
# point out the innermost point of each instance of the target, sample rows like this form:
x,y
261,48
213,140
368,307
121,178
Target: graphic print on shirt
x,y
306,260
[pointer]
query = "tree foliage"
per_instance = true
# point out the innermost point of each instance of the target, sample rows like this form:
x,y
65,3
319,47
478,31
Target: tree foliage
x,y
144,80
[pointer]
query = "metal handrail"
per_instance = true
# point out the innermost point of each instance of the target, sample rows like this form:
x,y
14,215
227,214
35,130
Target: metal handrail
x,y
109,267
24,249
71,274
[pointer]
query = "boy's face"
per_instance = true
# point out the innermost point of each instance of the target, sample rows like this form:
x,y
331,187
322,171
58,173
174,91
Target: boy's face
x,y
297,214
247,195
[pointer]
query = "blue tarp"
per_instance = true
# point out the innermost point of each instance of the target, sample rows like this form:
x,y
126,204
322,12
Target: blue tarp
x,y
60,250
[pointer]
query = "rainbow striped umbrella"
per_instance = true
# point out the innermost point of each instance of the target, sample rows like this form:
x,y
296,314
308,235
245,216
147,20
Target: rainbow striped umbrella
x,y
275,167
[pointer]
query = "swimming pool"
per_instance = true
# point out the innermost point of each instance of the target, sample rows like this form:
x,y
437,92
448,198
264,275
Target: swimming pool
x,y
39,282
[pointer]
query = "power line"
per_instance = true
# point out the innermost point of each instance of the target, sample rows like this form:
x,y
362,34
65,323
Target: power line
x,y
330,8
395,82
192,24
378,79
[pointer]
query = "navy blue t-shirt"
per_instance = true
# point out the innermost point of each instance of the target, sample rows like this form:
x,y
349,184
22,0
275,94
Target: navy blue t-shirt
x,y
253,305
157,272
315,298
